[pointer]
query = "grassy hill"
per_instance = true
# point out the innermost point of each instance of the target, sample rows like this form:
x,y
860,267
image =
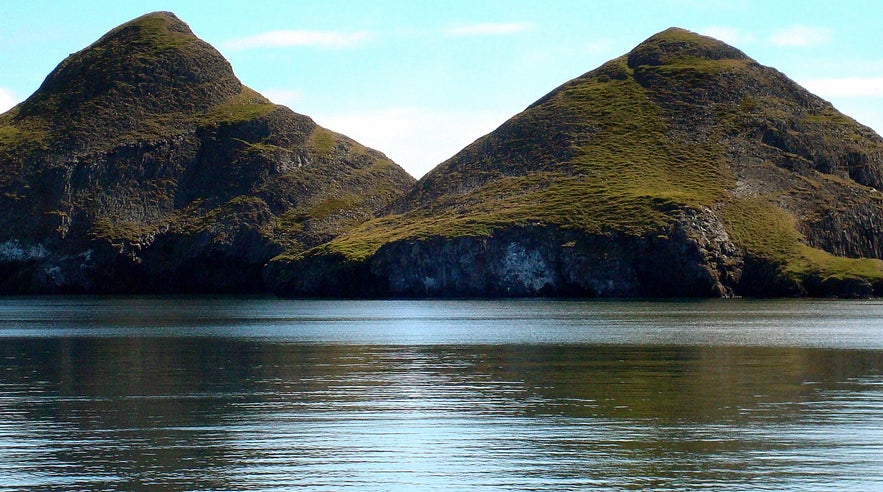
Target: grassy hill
x,y
142,164
683,150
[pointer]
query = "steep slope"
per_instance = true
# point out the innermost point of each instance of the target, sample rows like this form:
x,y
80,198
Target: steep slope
x,y
683,168
142,164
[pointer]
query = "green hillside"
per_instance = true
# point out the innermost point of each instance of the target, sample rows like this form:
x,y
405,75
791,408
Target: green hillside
x,y
142,164
682,125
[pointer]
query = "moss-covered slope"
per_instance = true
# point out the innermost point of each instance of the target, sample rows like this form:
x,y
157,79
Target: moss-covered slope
x,y
142,164
681,168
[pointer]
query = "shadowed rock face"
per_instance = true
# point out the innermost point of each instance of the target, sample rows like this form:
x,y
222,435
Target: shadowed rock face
x,y
683,168
143,165
537,261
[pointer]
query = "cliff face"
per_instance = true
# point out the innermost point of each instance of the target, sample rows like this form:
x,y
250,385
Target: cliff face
x,y
539,260
143,165
683,168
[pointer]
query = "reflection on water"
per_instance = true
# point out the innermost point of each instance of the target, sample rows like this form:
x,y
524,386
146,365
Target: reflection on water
x,y
254,394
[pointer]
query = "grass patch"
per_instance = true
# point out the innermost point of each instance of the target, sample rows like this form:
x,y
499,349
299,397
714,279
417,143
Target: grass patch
x,y
21,133
157,33
322,142
245,106
9,135
116,231
762,228
767,231
290,222
631,153
334,205
812,261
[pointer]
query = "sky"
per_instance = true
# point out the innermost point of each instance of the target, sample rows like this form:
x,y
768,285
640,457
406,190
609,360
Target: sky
x,y
421,79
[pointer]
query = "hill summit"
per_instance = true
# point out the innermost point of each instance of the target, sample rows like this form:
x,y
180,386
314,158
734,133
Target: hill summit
x,y
153,67
682,168
142,164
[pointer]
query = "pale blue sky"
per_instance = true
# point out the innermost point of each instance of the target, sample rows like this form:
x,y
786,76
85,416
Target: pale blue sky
x,y
419,80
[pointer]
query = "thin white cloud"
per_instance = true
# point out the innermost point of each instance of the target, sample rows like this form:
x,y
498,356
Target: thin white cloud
x,y
859,97
488,29
417,138
846,87
286,97
7,100
299,38
729,35
800,36
600,46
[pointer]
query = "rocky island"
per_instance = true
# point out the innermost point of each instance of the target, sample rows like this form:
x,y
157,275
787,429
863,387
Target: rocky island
x,y
143,165
682,168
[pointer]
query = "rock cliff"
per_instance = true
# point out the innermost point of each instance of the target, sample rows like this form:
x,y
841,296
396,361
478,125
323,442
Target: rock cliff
x,y
142,164
682,168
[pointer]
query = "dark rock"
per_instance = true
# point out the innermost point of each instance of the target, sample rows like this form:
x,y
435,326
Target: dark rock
x,y
681,260
842,287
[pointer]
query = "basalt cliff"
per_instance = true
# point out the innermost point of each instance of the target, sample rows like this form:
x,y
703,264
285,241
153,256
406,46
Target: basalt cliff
x,y
682,168
142,164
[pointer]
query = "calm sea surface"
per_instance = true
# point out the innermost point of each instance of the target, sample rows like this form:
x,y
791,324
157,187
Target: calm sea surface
x,y
265,394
